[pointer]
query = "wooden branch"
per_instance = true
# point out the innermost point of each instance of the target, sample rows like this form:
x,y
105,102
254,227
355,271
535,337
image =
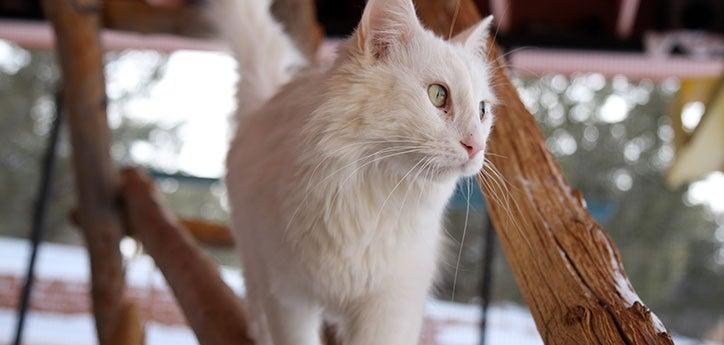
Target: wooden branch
x,y
214,312
205,233
129,330
212,234
567,268
139,16
81,62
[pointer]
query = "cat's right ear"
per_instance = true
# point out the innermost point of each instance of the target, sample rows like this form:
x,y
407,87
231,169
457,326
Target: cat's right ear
x,y
385,24
475,38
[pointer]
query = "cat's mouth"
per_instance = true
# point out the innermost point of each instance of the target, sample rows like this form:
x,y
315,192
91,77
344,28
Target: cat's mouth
x,y
473,165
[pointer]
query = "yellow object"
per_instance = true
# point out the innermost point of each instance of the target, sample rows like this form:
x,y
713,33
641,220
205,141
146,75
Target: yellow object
x,y
702,151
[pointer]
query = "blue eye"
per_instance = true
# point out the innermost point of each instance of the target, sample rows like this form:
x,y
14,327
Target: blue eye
x,y
483,110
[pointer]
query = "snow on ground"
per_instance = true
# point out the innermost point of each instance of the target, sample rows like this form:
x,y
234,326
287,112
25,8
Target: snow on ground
x,y
62,274
78,329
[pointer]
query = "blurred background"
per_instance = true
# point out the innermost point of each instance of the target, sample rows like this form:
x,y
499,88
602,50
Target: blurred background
x,y
628,93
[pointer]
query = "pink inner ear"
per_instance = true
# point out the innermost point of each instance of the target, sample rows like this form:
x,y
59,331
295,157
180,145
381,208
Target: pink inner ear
x,y
385,23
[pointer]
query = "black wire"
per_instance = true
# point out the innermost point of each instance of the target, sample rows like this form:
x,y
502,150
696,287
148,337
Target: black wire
x,y
39,216
486,284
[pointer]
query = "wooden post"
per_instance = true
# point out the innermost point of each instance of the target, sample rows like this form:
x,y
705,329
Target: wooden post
x,y
80,57
567,268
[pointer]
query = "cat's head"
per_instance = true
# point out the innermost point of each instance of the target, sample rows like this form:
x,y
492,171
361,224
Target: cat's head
x,y
400,90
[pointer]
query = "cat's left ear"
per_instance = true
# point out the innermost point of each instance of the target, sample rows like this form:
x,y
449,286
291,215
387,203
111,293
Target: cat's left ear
x,y
475,38
386,24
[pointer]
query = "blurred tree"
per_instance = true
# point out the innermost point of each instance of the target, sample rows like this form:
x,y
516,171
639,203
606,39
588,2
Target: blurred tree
x,y
28,82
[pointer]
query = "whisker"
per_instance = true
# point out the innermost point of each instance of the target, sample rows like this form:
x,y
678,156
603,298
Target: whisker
x,y
494,155
454,20
462,242
392,149
379,213
341,185
510,218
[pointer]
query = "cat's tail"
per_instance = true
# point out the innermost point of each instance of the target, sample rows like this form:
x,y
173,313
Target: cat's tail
x,y
266,55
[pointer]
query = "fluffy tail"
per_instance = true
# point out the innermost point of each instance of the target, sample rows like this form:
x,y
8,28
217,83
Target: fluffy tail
x,y
266,55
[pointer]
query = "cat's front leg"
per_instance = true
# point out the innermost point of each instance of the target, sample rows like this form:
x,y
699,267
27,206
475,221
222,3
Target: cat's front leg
x,y
293,322
390,319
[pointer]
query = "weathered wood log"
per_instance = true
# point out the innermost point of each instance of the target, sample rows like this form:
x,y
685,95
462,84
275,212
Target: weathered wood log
x,y
567,268
207,233
214,312
129,330
76,26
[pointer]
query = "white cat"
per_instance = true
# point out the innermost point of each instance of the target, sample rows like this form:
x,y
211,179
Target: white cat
x,y
338,178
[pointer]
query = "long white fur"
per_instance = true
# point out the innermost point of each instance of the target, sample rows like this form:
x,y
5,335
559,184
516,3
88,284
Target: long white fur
x,y
267,57
338,183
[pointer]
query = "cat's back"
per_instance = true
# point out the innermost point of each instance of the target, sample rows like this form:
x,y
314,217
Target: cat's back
x,y
268,142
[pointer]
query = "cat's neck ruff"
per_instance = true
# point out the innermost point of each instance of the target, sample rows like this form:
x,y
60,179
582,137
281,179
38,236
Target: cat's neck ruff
x,y
383,193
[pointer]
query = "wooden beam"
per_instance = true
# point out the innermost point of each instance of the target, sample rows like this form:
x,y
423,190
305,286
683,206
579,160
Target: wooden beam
x,y
207,233
214,312
80,58
567,268
300,21
139,16
183,19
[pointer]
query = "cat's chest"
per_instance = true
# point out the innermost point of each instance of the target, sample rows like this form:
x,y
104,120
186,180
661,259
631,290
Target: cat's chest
x,y
384,215
381,230
361,241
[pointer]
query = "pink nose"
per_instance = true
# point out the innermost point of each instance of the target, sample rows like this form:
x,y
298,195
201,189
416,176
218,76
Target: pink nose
x,y
471,146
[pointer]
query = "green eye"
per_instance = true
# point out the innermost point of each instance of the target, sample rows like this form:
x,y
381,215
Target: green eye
x,y
437,94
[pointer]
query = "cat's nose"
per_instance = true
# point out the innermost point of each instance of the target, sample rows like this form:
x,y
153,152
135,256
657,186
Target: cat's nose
x,y
471,145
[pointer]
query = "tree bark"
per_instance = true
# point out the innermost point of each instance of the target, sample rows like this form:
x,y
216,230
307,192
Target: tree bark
x,y
80,57
567,268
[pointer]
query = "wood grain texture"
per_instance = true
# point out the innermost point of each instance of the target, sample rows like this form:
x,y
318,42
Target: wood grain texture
x,y
81,62
567,268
